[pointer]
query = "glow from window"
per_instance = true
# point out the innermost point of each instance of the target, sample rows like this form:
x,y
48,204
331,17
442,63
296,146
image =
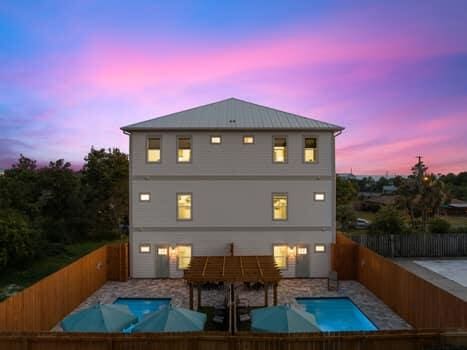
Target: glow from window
x,y
302,251
184,150
320,248
280,150
216,139
248,139
184,206
154,150
279,202
145,248
280,256
144,197
320,196
184,256
310,150
162,251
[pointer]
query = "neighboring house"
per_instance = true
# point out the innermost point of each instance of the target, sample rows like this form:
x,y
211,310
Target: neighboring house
x,y
389,189
231,176
374,203
455,207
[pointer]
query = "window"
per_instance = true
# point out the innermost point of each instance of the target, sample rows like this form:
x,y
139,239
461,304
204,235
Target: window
x,y
302,251
153,150
280,150
279,206
319,196
184,256
248,140
320,248
162,251
184,149
144,197
145,248
183,206
310,150
215,140
280,256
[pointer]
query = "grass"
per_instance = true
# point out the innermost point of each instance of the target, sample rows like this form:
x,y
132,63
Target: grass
x,y
28,275
456,221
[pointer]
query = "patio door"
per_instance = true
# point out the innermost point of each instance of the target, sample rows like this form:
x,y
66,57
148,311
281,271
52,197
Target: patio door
x,y
162,261
302,267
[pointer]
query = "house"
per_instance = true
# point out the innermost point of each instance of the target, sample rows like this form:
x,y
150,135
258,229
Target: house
x,y
231,177
389,189
455,207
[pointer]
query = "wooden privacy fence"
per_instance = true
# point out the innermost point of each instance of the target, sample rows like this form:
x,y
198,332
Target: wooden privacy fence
x,y
416,300
415,245
41,306
400,340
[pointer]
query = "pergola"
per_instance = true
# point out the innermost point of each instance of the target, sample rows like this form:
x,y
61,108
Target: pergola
x,y
231,269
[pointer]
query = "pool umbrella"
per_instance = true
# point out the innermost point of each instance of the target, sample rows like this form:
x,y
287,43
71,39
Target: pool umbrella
x,y
99,318
283,319
172,319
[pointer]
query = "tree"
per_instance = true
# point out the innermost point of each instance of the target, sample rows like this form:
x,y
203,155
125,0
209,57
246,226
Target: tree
x,y
346,191
105,180
345,215
19,242
438,225
388,220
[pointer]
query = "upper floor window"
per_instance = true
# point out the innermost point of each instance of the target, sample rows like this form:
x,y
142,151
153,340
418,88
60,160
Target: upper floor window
x,y
279,152
319,196
184,149
216,140
310,150
145,197
183,206
248,140
279,206
153,150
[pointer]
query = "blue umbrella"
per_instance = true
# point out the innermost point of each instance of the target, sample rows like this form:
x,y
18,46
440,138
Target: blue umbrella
x,y
99,318
283,319
172,319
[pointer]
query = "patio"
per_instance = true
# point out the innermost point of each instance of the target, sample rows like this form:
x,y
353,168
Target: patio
x,y
288,289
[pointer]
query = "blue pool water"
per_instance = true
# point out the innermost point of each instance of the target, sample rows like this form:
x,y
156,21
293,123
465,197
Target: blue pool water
x,y
142,306
337,314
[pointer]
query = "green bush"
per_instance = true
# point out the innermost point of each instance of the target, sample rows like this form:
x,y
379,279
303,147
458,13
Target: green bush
x,y
389,220
438,225
18,241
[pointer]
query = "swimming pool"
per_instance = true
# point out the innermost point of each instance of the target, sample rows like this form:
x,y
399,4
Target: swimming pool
x,y
337,314
142,306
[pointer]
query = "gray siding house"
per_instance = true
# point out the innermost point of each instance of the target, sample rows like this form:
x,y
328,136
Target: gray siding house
x,y
231,175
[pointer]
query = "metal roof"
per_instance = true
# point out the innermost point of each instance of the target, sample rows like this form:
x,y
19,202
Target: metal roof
x,y
231,114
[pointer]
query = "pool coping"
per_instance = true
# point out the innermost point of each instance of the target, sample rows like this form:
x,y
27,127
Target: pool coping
x,y
350,299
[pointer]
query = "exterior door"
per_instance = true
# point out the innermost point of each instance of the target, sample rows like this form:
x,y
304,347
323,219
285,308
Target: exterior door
x,y
302,267
162,261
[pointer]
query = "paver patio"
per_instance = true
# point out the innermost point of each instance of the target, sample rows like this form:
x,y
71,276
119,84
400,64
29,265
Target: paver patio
x,y
289,289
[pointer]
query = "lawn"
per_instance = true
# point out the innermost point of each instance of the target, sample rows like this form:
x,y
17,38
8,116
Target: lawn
x,y
16,279
456,221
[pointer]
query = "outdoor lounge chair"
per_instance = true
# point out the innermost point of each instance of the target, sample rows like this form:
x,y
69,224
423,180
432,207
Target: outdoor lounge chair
x,y
333,281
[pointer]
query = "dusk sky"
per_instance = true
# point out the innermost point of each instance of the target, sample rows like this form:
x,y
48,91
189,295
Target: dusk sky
x,y
394,73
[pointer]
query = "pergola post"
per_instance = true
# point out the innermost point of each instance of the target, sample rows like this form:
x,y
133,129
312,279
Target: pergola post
x,y
191,296
274,289
199,297
266,286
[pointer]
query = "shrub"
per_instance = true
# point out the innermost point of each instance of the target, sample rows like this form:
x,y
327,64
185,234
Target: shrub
x,y
438,225
389,220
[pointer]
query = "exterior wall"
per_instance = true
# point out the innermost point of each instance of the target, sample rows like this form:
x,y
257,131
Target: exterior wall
x,y
232,185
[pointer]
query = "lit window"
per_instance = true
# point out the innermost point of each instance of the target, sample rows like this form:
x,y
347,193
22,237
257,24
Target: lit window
x,y
319,196
184,149
279,203
216,140
154,150
162,251
320,248
302,251
310,150
280,256
183,206
145,248
280,150
184,256
248,139
144,197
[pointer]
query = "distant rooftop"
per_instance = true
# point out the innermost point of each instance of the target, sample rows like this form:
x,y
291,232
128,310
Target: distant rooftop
x,y
231,114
